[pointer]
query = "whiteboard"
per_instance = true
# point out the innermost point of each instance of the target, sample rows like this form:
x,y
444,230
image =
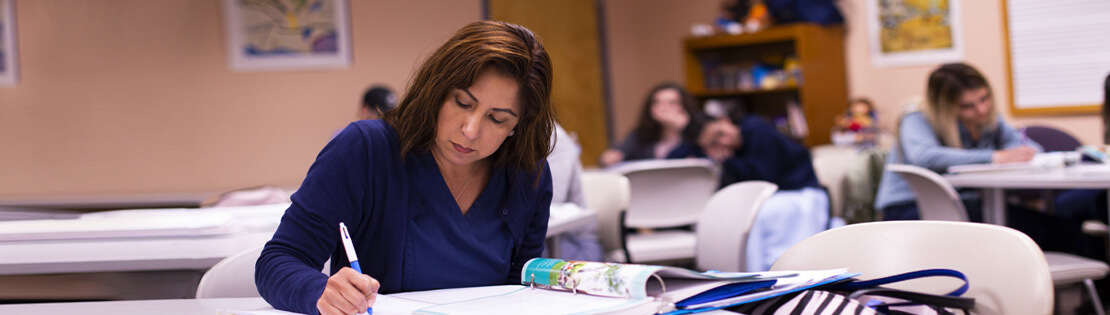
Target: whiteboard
x,y
1059,54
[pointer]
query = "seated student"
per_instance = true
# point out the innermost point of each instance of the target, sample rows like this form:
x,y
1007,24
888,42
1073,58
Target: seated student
x,y
958,124
566,185
376,101
448,190
665,126
747,148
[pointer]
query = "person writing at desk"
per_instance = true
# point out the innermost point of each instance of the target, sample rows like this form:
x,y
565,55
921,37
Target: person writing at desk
x,y
449,190
958,124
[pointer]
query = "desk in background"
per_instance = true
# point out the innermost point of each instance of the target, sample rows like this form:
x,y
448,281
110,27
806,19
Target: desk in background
x,y
994,184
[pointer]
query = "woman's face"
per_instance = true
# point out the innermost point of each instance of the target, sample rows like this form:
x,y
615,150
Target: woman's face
x,y
975,107
666,108
473,122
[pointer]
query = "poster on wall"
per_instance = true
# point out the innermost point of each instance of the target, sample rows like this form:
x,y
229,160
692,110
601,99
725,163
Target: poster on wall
x,y
287,34
914,32
9,67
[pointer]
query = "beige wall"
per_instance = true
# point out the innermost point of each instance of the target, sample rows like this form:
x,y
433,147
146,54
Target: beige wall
x,y
644,45
134,96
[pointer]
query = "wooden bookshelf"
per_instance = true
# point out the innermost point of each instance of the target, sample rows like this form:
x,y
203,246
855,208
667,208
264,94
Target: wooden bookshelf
x,y
821,92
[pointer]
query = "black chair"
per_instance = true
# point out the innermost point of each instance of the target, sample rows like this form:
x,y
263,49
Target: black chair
x,y
1052,139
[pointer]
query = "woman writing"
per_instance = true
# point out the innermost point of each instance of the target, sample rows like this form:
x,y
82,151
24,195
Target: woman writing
x,y
958,124
448,190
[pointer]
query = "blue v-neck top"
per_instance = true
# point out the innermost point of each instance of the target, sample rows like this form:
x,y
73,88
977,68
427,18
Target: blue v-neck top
x,y
442,243
404,235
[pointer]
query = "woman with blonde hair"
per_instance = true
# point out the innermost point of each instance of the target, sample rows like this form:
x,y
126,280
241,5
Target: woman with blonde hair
x,y
450,189
957,124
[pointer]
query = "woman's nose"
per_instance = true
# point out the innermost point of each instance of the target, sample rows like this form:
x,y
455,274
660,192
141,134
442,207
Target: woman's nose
x,y
471,126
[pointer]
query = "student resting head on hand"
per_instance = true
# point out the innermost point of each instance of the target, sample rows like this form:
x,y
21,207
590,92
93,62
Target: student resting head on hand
x,y
448,190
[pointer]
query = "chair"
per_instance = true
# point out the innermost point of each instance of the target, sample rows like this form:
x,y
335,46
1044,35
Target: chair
x,y
608,195
1052,139
1019,284
722,231
664,193
831,164
937,200
231,277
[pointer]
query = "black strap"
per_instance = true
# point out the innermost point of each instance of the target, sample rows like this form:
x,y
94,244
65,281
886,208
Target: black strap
x,y
964,303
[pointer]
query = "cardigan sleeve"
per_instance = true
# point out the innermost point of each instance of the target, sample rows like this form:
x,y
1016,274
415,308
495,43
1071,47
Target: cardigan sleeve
x,y
287,274
919,143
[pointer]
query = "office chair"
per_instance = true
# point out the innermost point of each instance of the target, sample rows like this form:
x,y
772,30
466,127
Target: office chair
x,y
722,230
938,200
1006,270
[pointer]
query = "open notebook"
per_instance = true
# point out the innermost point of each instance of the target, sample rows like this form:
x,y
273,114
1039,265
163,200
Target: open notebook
x,y
1040,161
553,286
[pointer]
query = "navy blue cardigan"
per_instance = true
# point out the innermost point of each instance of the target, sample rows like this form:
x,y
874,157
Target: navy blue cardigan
x,y
358,179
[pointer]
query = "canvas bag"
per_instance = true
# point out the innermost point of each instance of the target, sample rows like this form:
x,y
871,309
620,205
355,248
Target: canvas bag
x,y
869,297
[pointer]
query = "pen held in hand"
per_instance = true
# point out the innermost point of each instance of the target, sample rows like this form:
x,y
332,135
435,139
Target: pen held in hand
x,y
349,248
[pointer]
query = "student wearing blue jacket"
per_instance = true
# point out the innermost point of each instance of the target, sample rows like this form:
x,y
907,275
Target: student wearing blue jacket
x,y
958,124
448,190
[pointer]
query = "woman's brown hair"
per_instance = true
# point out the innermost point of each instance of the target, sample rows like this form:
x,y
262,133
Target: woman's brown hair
x,y
511,50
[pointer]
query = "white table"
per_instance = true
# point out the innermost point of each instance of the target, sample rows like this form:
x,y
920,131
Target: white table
x,y
1082,176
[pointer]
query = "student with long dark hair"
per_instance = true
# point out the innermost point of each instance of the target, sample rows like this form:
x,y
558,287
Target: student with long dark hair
x,y
668,124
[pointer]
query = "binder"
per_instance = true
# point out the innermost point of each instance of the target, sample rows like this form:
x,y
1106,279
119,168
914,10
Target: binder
x,y
554,286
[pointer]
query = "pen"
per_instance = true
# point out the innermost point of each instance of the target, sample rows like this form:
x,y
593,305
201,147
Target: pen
x,y
351,256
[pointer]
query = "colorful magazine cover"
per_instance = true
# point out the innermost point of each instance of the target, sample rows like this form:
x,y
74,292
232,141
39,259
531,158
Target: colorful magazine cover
x,y
631,280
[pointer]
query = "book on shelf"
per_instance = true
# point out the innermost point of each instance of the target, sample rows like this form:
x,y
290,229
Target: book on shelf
x,y
554,286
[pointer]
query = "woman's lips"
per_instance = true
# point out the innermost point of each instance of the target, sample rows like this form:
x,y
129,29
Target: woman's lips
x,y
462,149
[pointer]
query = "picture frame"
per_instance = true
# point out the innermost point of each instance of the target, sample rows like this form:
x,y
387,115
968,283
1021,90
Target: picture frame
x,y
913,33
9,52
287,35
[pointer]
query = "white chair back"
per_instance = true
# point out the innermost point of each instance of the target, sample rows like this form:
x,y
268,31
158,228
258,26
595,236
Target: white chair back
x,y
936,199
667,193
1020,285
608,194
830,165
722,231
231,277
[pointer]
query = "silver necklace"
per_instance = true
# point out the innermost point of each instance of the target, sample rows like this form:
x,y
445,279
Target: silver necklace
x,y
472,171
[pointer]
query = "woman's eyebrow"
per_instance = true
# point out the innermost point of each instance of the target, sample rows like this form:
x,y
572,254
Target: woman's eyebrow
x,y
471,95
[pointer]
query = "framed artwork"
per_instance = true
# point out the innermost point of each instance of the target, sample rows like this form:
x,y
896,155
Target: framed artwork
x,y
914,32
9,66
287,34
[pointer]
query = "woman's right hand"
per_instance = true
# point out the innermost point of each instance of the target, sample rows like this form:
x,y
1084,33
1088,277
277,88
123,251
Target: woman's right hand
x,y
348,292
610,157
1018,154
